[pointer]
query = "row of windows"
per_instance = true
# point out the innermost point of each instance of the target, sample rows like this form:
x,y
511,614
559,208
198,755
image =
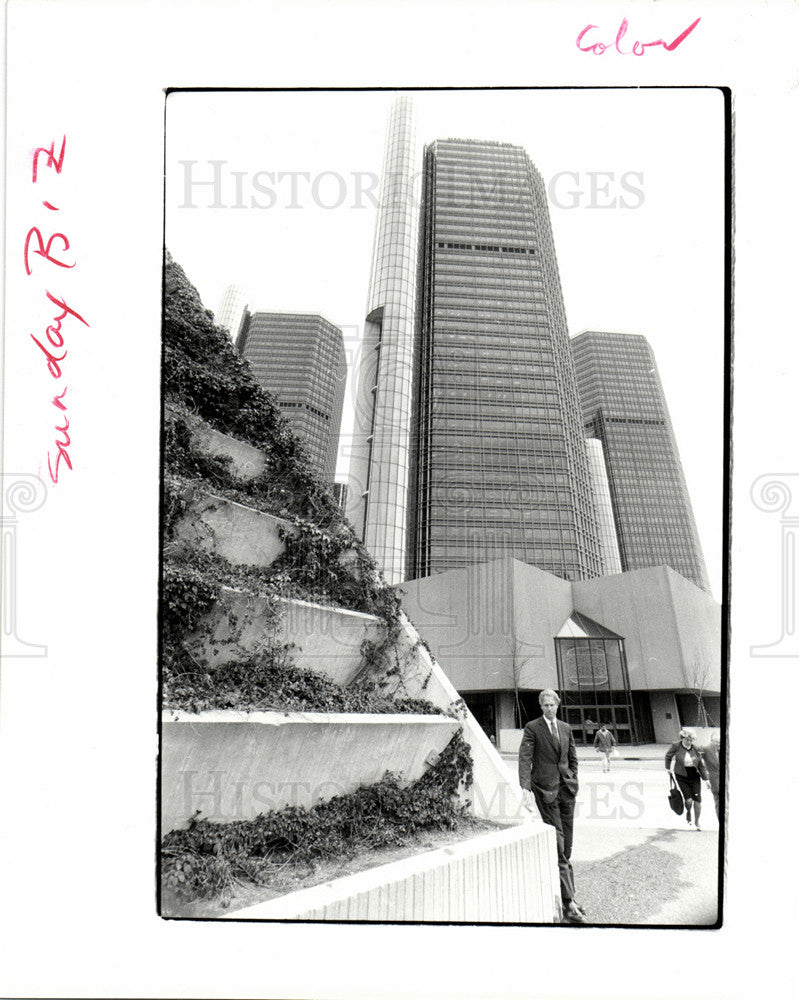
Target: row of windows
x,y
483,246
307,406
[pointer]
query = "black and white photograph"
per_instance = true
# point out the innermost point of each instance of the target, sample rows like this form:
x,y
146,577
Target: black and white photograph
x,y
398,579
443,506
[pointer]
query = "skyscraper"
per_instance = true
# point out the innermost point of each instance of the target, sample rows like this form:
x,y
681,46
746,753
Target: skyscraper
x,y
624,407
232,310
300,360
499,464
378,489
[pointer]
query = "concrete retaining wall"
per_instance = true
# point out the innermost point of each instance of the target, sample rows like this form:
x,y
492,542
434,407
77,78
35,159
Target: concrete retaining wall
x,y
231,530
327,640
505,877
235,765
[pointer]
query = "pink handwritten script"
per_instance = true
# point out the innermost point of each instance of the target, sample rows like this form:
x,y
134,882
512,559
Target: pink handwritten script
x,y
638,48
41,253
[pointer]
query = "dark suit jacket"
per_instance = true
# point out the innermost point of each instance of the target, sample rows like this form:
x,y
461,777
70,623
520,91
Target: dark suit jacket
x,y
713,765
543,766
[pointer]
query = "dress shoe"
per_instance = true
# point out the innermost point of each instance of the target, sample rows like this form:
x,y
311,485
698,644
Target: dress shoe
x,y
573,914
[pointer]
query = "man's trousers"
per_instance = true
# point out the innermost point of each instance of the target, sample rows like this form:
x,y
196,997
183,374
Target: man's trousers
x,y
560,814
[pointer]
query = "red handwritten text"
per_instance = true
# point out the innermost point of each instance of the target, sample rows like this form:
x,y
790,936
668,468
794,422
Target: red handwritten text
x,y
52,343
638,48
54,336
62,445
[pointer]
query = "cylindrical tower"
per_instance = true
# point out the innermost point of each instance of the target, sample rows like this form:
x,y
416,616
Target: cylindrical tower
x,y
378,493
609,544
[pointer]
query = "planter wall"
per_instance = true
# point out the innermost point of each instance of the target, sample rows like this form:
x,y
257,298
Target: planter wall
x,y
327,640
505,877
234,765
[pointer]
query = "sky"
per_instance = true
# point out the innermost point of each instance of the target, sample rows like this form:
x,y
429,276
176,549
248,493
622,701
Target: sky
x,y
276,191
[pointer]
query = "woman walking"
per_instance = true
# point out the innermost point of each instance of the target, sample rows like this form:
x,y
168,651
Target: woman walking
x,y
689,768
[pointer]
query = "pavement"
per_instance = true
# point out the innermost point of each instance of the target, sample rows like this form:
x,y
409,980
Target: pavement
x,y
636,863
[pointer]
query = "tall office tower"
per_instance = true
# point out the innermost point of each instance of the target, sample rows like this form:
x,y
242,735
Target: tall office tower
x,y
232,310
499,457
300,360
608,543
378,488
624,407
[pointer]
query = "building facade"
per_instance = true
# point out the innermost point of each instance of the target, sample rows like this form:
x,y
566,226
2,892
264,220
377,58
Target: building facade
x,y
640,651
498,455
300,359
379,463
624,407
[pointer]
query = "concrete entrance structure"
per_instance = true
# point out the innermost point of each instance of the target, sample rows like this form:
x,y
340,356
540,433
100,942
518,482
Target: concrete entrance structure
x,y
492,627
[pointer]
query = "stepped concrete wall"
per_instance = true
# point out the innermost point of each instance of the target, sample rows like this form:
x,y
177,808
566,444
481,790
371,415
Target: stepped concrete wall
x,y
502,877
234,765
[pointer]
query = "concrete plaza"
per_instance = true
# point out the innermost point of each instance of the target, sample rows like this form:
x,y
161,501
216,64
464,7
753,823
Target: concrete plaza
x,y
635,861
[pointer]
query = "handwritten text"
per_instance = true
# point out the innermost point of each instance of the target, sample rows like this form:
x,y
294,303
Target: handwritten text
x,y
638,48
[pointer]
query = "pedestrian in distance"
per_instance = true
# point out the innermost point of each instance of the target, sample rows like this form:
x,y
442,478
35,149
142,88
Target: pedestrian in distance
x,y
605,742
713,765
688,766
548,776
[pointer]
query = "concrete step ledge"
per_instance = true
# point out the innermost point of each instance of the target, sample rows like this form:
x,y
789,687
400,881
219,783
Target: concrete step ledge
x,y
507,876
234,765
326,639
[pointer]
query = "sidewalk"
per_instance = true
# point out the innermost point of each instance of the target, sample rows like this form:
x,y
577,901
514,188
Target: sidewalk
x,y
641,752
644,751
646,877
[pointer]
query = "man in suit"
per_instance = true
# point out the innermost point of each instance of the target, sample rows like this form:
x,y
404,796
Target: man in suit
x,y
548,776
713,765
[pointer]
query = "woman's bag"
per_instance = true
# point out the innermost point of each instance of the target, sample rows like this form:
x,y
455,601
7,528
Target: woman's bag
x,y
676,800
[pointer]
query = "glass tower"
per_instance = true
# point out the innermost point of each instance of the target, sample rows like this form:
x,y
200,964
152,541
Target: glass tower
x,y
624,407
232,310
611,560
499,464
378,489
300,359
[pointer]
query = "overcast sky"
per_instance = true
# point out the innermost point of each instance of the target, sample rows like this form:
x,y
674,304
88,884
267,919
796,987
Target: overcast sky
x,y
639,251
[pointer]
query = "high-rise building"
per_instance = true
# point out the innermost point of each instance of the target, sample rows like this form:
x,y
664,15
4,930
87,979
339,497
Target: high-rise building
x,y
499,464
232,310
300,359
624,407
379,463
